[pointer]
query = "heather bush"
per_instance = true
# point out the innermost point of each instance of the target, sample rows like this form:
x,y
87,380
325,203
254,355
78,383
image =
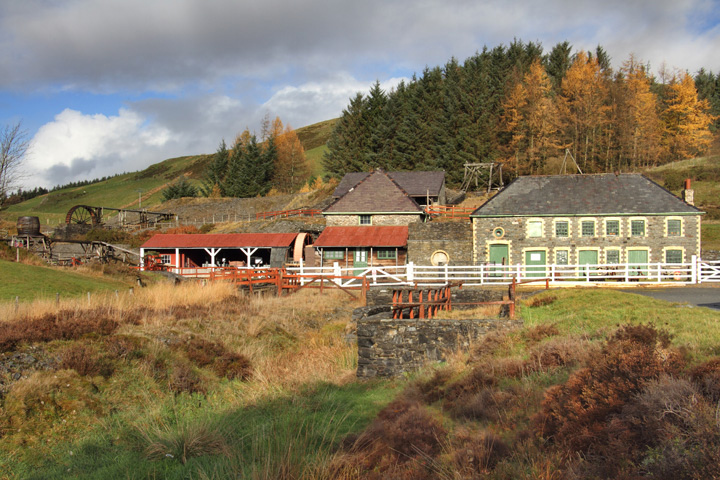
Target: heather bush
x,y
476,454
578,414
399,443
707,377
86,361
184,378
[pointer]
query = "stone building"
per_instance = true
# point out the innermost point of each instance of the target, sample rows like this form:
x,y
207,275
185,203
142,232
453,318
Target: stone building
x,y
585,219
375,200
362,247
425,187
440,243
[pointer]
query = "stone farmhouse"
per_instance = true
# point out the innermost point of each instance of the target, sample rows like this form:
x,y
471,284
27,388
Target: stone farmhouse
x,y
585,219
376,199
425,187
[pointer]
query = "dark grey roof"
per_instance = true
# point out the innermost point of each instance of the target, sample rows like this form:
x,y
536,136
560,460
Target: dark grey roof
x,y
377,192
414,183
601,194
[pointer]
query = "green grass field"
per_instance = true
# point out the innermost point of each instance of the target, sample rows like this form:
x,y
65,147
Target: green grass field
x,y
30,282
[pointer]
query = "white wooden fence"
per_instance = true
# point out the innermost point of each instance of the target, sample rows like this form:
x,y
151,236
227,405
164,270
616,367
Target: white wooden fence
x,y
697,271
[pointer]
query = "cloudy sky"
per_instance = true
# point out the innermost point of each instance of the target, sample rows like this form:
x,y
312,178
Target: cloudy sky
x,y
107,86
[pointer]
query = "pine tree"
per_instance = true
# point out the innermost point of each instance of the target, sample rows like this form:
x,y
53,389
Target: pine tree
x,y
214,177
291,168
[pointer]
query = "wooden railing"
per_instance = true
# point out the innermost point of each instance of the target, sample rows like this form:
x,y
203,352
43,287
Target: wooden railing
x,y
449,211
288,213
425,302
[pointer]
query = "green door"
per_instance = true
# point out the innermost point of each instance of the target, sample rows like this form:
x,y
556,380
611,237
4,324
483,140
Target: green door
x,y
499,256
532,258
587,257
360,260
637,256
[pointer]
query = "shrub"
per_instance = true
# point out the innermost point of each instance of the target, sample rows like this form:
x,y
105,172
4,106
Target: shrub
x,y
477,454
65,325
403,434
578,413
707,377
184,379
86,361
233,366
539,332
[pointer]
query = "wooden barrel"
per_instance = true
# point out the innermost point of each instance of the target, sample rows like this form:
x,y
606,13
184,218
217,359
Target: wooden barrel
x,y
28,226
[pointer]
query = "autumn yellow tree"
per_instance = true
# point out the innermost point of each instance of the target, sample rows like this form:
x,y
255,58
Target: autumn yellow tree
x,y
639,129
584,108
687,119
291,166
531,119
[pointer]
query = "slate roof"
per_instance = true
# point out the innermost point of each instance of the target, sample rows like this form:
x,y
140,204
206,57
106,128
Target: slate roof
x,y
376,193
220,240
574,195
416,184
364,236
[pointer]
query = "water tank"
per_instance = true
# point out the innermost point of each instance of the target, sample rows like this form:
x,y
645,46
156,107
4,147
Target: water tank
x,y
28,226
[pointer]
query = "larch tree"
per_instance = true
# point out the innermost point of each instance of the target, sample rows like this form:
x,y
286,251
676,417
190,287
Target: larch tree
x,y
687,119
291,169
584,108
640,131
531,119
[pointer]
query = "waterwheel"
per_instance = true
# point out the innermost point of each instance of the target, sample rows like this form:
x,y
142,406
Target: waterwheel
x,y
83,215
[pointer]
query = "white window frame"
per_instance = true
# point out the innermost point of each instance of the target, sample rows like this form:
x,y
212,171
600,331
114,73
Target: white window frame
x,y
645,227
588,220
667,227
605,225
569,227
535,221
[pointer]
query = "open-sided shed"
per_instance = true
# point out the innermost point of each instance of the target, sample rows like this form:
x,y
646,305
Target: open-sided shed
x,y
226,249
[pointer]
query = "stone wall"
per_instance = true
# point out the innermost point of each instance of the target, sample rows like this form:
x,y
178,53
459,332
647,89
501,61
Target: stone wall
x,y
387,347
377,220
454,238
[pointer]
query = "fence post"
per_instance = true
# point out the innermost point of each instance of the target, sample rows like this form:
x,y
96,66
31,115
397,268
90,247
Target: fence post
x,y
694,270
337,273
410,272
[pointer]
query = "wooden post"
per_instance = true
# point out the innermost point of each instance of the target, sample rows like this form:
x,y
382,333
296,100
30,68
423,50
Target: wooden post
x,y
512,310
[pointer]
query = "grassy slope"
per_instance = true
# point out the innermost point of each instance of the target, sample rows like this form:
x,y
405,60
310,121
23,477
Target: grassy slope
x,y
122,191
123,421
29,282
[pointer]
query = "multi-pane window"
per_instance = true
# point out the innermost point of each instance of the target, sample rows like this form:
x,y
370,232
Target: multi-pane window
x,y
637,228
674,228
612,228
365,220
534,228
386,254
673,256
612,257
562,229
587,228
333,254
561,257
165,259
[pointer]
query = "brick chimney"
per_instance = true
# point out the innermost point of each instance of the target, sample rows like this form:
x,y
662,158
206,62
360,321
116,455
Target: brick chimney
x,y
688,194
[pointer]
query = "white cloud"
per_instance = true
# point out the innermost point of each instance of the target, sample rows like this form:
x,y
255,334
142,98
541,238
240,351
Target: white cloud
x,y
78,146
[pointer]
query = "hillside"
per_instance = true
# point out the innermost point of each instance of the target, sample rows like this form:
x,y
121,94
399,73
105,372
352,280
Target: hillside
x,y
130,190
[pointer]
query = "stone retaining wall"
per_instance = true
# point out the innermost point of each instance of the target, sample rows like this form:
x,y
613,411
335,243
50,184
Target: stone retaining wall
x,y
388,347
454,238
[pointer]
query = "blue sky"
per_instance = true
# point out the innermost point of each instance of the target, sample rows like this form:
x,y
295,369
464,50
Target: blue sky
x,y
106,86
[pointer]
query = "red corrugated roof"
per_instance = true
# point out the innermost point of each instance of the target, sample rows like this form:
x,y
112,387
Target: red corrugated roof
x,y
220,240
367,236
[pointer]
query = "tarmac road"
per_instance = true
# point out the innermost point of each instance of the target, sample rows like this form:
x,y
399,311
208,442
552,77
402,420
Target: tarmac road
x,y
700,296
